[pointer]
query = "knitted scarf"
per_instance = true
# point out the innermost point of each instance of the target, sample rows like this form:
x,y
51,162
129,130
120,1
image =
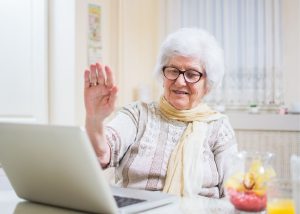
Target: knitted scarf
x,y
185,172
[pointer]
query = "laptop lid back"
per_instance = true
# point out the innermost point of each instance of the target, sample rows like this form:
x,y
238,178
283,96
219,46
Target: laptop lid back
x,y
54,165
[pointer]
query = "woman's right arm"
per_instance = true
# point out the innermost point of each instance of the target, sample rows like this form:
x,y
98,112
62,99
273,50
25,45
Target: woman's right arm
x,y
99,98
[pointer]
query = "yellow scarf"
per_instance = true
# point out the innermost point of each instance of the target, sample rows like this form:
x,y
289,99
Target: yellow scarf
x,y
184,173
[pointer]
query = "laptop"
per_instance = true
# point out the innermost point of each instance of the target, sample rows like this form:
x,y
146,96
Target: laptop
x,y
56,165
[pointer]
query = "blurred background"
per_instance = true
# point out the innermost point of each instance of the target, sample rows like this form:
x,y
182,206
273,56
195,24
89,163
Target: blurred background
x,y
45,46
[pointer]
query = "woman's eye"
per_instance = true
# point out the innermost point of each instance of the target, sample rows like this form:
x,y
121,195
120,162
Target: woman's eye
x,y
173,71
191,74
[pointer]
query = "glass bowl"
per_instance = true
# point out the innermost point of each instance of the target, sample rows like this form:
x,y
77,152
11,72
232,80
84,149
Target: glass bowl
x,y
246,185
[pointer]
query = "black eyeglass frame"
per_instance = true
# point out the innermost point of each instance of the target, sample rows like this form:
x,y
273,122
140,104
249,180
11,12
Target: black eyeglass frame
x,y
181,72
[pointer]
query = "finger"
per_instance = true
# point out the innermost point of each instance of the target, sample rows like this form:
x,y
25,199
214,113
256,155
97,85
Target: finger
x,y
87,79
109,77
113,96
93,74
100,78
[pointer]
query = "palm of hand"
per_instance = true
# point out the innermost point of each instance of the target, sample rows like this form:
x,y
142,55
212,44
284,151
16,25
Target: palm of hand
x,y
98,100
99,93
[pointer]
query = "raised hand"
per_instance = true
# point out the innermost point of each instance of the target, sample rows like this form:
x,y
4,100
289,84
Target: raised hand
x,y
99,92
99,98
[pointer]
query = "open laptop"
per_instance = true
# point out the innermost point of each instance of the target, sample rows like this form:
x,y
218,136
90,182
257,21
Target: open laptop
x,y
57,165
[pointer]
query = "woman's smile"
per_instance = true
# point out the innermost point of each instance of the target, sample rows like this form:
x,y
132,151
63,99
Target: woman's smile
x,y
180,92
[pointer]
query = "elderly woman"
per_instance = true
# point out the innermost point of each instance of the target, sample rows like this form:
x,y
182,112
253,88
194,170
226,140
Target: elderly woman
x,y
178,145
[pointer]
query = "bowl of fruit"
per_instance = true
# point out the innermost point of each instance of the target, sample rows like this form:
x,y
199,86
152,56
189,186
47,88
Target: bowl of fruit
x,y
246,186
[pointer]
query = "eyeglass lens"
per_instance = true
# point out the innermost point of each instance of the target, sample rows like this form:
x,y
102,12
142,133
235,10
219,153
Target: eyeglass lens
x,y
173,73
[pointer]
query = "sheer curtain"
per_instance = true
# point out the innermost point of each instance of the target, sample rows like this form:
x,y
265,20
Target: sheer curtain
x,y
250,33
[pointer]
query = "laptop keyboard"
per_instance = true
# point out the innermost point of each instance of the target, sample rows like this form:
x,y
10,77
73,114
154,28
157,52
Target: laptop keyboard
x,y
124,201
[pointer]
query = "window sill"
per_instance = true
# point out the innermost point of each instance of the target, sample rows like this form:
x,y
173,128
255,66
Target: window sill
x,y
264,121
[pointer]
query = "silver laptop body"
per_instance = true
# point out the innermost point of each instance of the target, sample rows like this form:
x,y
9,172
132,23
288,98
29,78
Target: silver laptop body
x,y
57,165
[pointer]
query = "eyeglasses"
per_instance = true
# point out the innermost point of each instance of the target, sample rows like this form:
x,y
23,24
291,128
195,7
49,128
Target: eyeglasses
x,y
190,76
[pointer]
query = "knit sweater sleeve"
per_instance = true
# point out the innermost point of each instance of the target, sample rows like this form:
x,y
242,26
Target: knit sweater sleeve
x,y
121,131
224,148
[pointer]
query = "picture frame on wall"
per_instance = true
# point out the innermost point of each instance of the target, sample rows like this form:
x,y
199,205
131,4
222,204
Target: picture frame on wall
x,y
94,45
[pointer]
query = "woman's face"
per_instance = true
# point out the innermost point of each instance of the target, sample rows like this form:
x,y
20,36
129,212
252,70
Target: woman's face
x,y
181,94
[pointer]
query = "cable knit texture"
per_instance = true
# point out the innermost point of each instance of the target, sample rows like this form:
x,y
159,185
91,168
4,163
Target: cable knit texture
x,y
142,140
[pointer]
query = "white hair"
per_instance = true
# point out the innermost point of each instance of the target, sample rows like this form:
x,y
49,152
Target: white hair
x,y
196,43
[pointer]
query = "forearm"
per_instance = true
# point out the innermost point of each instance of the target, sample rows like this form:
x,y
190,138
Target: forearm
x,y
95,131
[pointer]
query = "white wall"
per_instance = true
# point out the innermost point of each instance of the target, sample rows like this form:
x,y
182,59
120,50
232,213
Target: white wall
x,y
23,61
139,26
62,64
291,51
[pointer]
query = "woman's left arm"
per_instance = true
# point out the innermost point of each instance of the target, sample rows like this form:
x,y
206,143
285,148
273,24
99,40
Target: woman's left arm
x,y
224,148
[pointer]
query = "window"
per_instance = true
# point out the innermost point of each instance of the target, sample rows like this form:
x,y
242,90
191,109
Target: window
x,y
251,35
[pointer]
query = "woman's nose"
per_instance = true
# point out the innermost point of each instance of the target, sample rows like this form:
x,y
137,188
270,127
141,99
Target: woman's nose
x,y
180,80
